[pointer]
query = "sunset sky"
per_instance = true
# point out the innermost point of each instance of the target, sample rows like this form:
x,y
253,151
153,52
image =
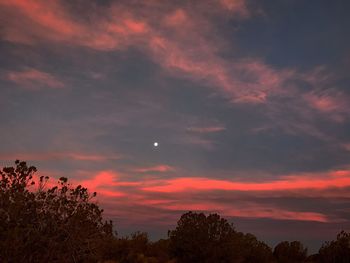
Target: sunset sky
x,y
249,102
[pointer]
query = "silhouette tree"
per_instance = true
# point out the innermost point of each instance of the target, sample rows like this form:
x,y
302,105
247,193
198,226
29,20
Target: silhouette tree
x,y
200,238
58,224
336,251
160,250
253,250
137,249
293,252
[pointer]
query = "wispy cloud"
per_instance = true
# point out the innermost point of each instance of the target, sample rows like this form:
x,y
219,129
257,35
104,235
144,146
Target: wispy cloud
x,y
182,44
206,184
59,156
209,129
34,79
161,168
330,103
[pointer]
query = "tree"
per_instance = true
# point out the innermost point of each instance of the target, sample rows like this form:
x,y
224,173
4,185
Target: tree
x,y
292,252
200,238
57,224
254,250
336,251
160,250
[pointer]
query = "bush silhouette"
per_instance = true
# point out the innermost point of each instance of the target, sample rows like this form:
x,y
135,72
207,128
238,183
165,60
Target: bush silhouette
x,y
290,252
58,224
336,251
200,238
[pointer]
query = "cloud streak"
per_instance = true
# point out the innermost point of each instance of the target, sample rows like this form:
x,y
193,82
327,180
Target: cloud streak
x,y
231,199
34,79
59,156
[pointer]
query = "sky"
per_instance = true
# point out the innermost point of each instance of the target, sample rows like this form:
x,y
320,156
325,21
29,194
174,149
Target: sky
x,y
248,101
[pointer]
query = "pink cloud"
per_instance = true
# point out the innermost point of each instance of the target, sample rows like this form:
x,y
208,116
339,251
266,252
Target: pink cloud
x,y
286,183
162,168
102,184
34,79
148,198
276,213
346,146
235,6
50,21
250,210
208,129
330,104
183,45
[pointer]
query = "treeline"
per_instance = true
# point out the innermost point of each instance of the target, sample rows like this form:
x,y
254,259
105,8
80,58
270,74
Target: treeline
x,y
62,224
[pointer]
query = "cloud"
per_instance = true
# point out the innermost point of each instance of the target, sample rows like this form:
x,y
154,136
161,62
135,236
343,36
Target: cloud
x,y
235,6
162,168
183,43
209,129
286,183
250,210
44,156
346,146
329,103
288,198
34,79
50,21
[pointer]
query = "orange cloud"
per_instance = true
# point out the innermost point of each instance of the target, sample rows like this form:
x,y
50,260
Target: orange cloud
x,y
34,79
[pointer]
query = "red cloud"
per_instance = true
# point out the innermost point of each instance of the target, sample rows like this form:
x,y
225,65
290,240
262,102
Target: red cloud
x,y
34,79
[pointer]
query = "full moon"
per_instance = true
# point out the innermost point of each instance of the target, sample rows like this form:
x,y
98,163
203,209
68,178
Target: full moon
x,y
155,144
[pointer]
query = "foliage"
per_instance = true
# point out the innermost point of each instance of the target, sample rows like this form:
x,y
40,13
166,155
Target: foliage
x,y
200,238
254,250
58,224
137,248
337,251
290,252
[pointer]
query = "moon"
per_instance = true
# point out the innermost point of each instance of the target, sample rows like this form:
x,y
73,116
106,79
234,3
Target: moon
x,y
155,144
